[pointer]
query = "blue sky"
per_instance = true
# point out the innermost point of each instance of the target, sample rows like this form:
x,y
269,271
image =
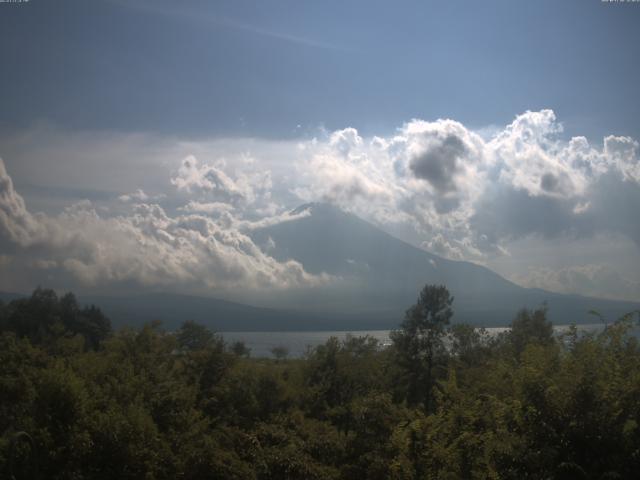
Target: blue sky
x,y
504,133
263,68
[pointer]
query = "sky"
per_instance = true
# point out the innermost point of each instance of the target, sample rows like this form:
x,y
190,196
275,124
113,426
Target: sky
x,y
142,141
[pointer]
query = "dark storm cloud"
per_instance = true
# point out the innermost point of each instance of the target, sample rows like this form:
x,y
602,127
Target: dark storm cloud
x,y
610,204
504,212
549,182
615,205
438,163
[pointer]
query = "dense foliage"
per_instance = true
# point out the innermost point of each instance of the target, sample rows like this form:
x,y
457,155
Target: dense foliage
x,y
78,401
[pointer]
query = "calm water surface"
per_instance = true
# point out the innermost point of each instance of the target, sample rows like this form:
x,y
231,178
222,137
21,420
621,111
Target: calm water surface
x,y
298,343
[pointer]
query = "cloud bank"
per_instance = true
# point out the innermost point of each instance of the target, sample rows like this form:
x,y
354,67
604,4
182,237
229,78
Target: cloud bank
x,y
468,196
147,247
452,190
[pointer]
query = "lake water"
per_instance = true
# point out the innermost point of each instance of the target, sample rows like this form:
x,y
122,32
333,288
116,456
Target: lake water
x,y
298,343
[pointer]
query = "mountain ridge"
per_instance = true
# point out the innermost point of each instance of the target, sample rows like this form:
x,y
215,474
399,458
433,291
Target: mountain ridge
x,y
386,272
378,277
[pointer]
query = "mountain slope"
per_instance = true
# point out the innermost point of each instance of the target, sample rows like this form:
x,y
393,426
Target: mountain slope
x,y
219,315
376,278
332,241
382,274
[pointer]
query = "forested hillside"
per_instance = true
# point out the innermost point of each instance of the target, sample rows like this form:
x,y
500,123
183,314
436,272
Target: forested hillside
x,y
78,400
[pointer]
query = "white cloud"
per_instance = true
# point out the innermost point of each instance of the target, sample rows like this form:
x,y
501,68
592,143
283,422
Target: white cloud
x,y
340,171
622,152
17,225
467,196
452,249
246,186
461,193
140,196
147,247
345,140
211,208
530,157
193,176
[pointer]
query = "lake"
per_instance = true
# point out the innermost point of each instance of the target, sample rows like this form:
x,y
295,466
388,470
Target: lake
x,y
297,343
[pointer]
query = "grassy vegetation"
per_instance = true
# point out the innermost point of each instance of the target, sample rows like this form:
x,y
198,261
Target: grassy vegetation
x,y
97,404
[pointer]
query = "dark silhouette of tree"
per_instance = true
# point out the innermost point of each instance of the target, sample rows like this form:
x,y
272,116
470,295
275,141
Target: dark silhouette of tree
x,y
280,352
35,316
530,327
419,343
468,344
43,317
88,321
195,336
240,349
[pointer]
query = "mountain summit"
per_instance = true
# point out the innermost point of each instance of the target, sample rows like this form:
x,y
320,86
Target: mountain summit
x,y
332,241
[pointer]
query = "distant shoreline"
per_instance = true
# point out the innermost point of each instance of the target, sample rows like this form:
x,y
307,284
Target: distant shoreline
x,y
297,342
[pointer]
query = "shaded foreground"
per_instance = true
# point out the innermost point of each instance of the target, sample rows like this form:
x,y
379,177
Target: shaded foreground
x,y
80,401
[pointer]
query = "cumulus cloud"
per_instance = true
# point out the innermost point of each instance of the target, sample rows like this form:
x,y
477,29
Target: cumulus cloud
x,y
17,225
211,208
622,153
140,196
460,193
439,163
345,140
147,247
154,248
245,187
529,157
453,249
193,176
467,196
340,171
443,247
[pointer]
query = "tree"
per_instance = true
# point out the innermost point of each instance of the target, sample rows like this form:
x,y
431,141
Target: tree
x,y
469,345
419,342
531,327
280,352
240,349
88,321
195,336
34,317
94,325
44,318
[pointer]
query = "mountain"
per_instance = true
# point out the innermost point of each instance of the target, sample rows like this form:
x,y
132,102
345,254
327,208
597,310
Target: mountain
x,y
219,315
381,275
375,278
